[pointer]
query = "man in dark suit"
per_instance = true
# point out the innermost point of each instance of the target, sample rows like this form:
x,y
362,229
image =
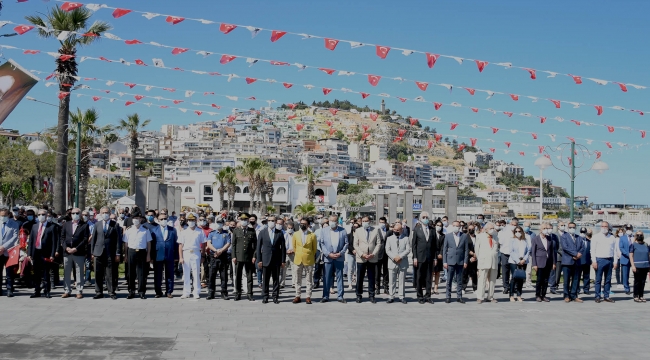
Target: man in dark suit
x,y
105,246
74,241
423,249
543,254
43,241
455,254
164,253
572,252
244,244
381,268
271,255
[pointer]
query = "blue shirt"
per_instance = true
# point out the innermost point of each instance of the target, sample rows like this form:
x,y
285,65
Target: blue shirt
x,y
219,239
640,252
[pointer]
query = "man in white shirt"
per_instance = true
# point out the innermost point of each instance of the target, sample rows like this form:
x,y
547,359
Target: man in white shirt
x,y
604,256
138,240
189,248
288,234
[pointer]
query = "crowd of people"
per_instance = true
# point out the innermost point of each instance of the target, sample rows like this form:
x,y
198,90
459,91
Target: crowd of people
x,y
199,246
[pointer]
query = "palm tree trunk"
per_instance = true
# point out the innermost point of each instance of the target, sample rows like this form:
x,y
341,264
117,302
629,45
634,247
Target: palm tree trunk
x,y
133,171
61,165
221,200
83,178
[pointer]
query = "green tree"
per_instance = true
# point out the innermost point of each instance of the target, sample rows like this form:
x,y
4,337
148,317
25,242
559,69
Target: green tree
x,y
224,178
75,22
440,186
132,126
311,177
250,169
306,209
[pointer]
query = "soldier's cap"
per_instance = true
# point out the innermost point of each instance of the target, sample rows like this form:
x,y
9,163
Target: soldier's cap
x,y
243,216
191,216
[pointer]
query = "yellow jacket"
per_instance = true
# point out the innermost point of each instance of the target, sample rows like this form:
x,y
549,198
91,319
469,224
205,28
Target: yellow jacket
x,y
304,254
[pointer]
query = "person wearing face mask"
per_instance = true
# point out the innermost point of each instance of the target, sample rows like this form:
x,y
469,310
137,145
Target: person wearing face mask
x,y
455,256
164,253
604,256
438,241
584,263
406,230
505,237
123,251
204,225
397,250
190,242
29,220
542,256
572,251
518,260
487,262
316,228
218,244
288,234
334,244
381,269
43,242
271,257
367,244
423,248
304,243
105,247
350,257
554,280
244,245
445,223
74,241
471,272
480,219
639,259
9,230
138,240
624,243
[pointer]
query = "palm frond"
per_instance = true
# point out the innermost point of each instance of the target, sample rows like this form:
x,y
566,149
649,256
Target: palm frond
x,y
38,21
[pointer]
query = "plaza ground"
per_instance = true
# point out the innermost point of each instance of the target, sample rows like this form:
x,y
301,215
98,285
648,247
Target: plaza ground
x,y
199,329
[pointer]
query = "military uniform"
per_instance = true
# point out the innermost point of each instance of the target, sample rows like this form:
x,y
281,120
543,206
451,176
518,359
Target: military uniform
x,y
244,243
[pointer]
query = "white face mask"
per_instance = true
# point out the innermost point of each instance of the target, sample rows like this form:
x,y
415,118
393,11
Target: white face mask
x,y
290,231
85,218
121,216
278,227
4,219
493,232
572,230
191,224
334,225
438,228
75,217
219,226
106,216
202,223
547,231
444,223
562,227
136,222
453,229
42,218
226,228
629,232
604,230
518,234
365,224
49,219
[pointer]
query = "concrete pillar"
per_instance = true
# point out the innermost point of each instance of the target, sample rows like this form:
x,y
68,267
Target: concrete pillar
x,y
408,206
152,193
177,201
162,196
427,201
392,207
171,191
451,202
141,192
379,209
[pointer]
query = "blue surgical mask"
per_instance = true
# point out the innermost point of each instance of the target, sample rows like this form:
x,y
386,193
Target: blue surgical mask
x,y
425,221
382,226
30,217
150,218
526,228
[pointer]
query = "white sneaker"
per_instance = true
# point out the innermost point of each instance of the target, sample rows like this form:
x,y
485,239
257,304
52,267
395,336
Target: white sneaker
x,y
185,296
197,296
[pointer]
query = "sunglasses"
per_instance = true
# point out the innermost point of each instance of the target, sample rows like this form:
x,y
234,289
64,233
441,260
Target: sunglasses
x,y
75,213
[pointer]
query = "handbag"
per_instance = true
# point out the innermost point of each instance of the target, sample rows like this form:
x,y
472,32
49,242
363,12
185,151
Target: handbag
x,y
519,274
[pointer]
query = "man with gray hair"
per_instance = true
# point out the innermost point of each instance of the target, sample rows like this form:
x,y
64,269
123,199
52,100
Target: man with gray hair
x,y
424,249
105,245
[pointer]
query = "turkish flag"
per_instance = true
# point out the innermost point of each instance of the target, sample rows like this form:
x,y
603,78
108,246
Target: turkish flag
x,y
65,57
140,62
522,153
365,136
401,132
226,59
130,85
21,29
327,71
373,116
609,145
493,150
430,144
541,149
176,102
31,52
453,126
333,111
174,19
481,65
374,79
332,131
508,113
438,137
326,91
364,95
365,127
556,102
507,143
382,51
63,94
475,110
413,122
250,80
287,85
276,35
279,63
461,147
495,130
642,134
598,154
431,59
118,13
69,6
576,122
216,106
132,42
422,85
177,51
402,99
533,74
577,79
299,126
470,91
534,136
128,103
542,119
14,256
198,112
473,141
621,85
610,128
437,105
291,106
138,97
226,28
329,123
331,43
599,109
96,98
514,97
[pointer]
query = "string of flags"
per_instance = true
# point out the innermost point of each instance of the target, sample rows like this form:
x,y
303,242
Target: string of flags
x,y
382,51
129,103
373,79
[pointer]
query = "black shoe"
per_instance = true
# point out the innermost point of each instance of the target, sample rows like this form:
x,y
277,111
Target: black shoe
x,y
460,300
131,296
324,300
48,296
389,301
250,298
587,293
404,301
237,297
265,301
276,301
10,294
372,300
358,300
447,301
505,291
224,297
628,293
158,296
281,286
342,301
316,285
609,300
34,296
430,301
143,297
552,292
98,296
210,297
421,301
597,300
114,297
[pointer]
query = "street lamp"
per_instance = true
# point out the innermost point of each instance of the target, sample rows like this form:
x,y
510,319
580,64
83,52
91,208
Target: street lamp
x,y
542,163
38,147
599,166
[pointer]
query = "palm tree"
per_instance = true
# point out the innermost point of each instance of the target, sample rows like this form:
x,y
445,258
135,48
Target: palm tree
x,y
267,175
311,178
224,177
60,21
231,188
305,209
250,169
132,125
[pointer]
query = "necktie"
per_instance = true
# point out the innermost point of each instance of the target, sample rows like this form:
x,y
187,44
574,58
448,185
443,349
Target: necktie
x,y
272,235
105,227
38,236
368,234
490,238
3,230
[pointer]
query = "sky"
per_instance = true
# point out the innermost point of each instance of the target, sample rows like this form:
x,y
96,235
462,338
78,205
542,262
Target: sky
x,y
599,39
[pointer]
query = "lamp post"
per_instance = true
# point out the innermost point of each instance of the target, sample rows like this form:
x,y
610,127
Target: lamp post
x,y
78,164
542,163
576,149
